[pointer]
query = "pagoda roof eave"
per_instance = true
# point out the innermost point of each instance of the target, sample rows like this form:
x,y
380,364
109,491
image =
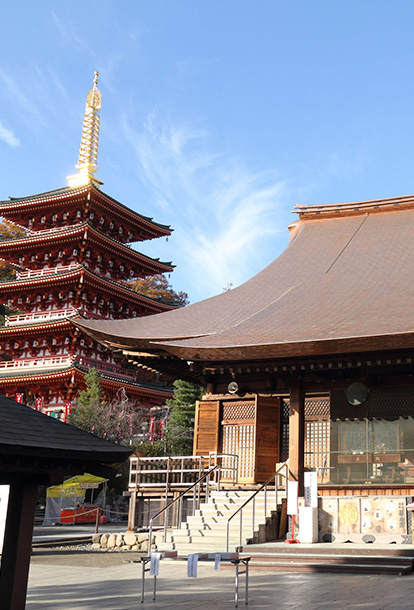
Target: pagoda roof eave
x,y
33,327
61,279
66,373
63,194
61,236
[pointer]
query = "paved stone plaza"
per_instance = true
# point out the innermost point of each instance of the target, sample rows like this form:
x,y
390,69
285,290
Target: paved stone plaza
x,y
82,580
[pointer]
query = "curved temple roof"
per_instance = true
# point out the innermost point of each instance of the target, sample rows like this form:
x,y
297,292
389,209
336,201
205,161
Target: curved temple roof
x,y
342,285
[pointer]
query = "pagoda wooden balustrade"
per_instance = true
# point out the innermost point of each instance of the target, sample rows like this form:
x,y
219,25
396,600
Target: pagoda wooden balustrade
x,y
36,363
62,361
22,275
39,317
33,232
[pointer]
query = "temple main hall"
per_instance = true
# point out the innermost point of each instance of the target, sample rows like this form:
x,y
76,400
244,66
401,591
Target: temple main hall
x,y
310,361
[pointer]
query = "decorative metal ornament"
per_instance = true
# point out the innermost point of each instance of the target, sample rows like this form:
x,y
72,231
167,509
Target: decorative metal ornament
x,y
88,154
357,393
233,387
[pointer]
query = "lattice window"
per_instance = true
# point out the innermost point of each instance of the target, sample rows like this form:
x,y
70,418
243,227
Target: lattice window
x,y
238,410
317,431
393,403
317,407
285,442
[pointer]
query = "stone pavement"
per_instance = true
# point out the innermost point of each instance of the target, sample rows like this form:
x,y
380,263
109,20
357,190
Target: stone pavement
x,y
81,580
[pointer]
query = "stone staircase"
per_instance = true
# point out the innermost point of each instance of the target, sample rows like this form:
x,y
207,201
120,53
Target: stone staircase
x,y
205,532
330,557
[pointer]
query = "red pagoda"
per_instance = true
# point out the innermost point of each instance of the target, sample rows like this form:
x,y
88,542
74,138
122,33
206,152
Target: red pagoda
x,y
74,260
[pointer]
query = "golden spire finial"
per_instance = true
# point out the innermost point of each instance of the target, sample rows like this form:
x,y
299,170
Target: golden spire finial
x,y
88,154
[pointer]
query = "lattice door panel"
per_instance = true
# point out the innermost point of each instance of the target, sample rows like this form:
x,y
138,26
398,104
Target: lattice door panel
x,y
239,439
230,444
317,440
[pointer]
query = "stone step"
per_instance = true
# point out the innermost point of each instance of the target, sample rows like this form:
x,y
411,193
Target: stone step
x,y
215,517
219,527
326,549
183,535
232,507
340,559
187,549
384,566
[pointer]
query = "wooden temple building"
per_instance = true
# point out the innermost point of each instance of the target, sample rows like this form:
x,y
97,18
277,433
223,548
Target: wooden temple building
x,y
311,360
74,260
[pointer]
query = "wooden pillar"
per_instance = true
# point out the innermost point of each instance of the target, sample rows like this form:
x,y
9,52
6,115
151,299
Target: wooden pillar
x,y
132,512
17,546
297,432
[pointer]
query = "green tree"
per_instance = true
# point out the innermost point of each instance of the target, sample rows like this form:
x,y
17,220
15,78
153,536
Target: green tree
x,y
8,230
117,421
180,428
158,287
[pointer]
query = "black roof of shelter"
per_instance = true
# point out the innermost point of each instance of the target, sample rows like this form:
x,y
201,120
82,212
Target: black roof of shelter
x,y
38,450
47,449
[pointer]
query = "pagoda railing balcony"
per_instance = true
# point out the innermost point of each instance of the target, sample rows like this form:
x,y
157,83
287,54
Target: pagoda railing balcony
x,y
33,232
33,318
106,367
29,364
27,273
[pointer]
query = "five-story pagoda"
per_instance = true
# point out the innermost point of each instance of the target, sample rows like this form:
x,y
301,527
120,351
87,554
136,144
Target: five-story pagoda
x,y
74,260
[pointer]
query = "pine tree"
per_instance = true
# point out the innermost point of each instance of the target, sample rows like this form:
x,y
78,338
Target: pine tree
x,y
180,429
117,421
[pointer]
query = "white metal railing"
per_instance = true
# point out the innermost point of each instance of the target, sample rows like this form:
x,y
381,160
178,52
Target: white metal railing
x,y
44,316
178,470
277,478
27,273
229,463
163,472
36,363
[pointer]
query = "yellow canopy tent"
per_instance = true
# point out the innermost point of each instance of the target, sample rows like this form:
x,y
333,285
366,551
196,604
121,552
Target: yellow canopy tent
x,y
68,494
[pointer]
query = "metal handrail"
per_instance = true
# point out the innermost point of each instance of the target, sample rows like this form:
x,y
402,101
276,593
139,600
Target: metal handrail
x,y
206,475
253,499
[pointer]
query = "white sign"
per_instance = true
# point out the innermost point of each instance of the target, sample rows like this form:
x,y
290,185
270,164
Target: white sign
x,y
155,564
192,566
217,559
292,497
311,489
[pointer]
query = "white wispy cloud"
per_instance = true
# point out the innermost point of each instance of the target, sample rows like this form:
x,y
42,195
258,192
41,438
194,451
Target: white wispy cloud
x,y
19,91
7,136
224,215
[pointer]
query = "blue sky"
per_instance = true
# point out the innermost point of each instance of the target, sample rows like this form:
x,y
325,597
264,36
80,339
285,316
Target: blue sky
x,y
217,116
